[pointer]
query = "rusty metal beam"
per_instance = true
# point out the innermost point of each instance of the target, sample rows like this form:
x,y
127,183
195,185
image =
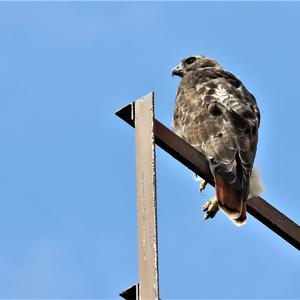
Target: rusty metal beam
x,y
194,160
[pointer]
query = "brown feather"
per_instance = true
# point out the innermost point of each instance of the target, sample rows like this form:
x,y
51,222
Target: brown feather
x,y
241,220
229,200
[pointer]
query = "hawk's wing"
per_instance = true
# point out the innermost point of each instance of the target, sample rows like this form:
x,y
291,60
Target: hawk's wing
x,y
217,115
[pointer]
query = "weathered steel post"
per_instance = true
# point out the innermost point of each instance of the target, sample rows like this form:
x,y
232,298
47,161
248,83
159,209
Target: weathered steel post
x,y
146,197
143,116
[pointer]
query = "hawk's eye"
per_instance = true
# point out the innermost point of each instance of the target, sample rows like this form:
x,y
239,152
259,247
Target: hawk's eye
x,y
190,60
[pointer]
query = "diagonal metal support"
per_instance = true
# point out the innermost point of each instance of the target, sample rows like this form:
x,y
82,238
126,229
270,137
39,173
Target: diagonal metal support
x,y
194,160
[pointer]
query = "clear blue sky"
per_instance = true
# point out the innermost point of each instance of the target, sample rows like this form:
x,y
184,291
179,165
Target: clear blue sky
x,y
67,171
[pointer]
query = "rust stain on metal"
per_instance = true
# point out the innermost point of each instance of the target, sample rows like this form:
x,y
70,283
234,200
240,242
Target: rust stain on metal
x,y
195,161
146,197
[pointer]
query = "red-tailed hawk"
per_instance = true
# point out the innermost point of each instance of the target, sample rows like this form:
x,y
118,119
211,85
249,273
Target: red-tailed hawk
x,y
217,115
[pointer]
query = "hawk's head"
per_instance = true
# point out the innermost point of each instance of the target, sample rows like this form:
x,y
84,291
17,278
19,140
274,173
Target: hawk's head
x,y
192,63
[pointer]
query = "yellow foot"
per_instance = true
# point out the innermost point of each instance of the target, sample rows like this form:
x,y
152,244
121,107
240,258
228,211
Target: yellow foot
x,y
210,208
202,186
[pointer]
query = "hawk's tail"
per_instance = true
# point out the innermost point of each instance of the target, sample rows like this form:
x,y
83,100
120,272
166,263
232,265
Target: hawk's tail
x,y
230,201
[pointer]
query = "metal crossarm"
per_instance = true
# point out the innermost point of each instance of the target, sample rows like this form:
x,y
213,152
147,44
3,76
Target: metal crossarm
x,y
195,161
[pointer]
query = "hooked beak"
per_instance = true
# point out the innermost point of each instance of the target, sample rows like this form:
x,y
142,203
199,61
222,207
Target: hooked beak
x,y
177,71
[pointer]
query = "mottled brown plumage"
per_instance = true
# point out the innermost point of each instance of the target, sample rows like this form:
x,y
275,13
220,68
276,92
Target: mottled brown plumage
x,y
216,114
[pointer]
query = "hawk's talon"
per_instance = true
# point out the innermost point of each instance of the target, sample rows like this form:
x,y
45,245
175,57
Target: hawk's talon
x,y
202,186
210,208
206,205
206,216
